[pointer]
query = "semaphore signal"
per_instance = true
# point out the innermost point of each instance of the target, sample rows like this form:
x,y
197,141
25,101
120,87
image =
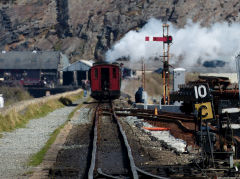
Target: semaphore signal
x,y
166,39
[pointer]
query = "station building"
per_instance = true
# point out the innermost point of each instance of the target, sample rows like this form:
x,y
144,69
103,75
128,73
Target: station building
x,y
32,68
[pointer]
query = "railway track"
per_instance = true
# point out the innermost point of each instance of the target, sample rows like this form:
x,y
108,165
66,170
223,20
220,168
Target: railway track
x,y
73,159
111,153
150,113
180,125
101,149
97,149
184,122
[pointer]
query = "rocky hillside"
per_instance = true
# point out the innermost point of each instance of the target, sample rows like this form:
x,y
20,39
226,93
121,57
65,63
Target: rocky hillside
x,y
86,29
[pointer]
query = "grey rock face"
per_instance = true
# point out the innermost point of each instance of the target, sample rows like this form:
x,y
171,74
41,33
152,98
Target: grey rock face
x,y
87,29
62,26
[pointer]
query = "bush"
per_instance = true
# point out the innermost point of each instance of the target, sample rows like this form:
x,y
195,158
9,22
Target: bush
x,y
14,94
65,101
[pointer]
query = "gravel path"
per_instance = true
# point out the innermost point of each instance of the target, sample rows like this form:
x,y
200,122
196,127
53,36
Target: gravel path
x,y
16,147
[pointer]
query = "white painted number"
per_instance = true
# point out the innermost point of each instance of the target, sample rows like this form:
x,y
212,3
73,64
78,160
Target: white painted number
x,y
200,91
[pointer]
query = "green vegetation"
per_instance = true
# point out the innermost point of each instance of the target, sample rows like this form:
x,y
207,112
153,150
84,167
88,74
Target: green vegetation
x,y
15,119
14,94
237,163
37,158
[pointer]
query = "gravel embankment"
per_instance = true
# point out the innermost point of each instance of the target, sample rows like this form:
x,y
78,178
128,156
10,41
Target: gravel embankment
x,y
164,136
81,116
16,147
73,153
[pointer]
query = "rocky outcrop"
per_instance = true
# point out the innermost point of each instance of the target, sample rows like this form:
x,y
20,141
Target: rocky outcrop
x,y
86,29
62,27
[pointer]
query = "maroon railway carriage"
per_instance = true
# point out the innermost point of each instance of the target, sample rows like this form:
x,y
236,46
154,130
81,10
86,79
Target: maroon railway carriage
x,y
105,80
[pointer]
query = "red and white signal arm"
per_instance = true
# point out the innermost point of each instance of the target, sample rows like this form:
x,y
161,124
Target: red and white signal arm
x,y
165,39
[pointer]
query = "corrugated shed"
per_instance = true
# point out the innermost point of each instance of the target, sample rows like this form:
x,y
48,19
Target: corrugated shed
x,y
81,65
29,60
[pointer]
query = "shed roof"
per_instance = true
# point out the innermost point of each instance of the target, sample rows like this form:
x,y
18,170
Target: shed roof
x,y
29,60
81,65
89,63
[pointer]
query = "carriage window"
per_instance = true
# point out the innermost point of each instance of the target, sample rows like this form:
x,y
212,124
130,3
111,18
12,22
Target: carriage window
x,y
114,73
96,73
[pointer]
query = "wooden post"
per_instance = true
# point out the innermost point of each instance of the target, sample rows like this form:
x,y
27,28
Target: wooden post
x,y
166,73
143,75
75,78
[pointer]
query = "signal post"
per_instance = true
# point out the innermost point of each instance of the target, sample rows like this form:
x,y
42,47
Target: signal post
x,y
167,40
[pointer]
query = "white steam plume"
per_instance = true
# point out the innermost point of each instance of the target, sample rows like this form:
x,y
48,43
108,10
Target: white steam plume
x,y
192,43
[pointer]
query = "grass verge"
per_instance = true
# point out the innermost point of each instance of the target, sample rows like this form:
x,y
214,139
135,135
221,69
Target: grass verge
x,y
15,119
14,94
37,158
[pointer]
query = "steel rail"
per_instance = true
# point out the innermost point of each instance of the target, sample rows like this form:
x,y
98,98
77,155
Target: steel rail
x,y
157,119
99,170
163,116
129,151
184,118
135,169
151,111
94,150
149,174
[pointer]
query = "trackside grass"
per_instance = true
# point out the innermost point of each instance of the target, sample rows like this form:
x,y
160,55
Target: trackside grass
x,y
37,158
14,119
